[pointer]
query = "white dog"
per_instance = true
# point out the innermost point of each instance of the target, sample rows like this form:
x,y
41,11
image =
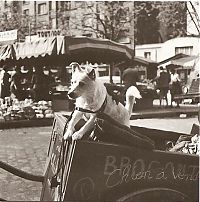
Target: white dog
x,y
91,96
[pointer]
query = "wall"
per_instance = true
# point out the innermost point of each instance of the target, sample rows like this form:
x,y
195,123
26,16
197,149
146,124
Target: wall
x,y
162,51
154,50
168,49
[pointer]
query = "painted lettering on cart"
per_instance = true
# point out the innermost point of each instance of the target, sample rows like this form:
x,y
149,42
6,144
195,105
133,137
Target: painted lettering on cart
x,y
126,170
84,188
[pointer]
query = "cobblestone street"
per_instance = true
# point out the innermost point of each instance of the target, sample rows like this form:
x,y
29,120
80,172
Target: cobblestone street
x,y
26,149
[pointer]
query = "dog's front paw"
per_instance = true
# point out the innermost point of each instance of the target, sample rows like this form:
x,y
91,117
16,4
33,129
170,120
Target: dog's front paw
x,y
68,134
77,135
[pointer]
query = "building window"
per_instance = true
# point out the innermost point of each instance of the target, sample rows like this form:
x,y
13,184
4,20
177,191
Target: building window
x,y
5,4
89,4
26,12
42,9
26,2
147,55
62,4
50,5
185,50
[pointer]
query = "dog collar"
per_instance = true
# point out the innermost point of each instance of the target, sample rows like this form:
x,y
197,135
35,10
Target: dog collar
x,y
102,108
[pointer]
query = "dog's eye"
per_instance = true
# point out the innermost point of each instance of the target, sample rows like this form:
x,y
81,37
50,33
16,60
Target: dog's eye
x,y
81,84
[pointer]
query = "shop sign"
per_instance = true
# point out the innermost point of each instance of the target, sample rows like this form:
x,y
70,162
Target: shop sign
x,y
48,33
8,35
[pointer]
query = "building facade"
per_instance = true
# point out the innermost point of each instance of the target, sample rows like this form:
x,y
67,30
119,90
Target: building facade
x,y
162,51
75,18
187,68
72,18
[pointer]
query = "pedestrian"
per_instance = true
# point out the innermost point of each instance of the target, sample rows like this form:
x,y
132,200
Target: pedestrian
x,y
5,89
16,86
29,83
49,84
162,84
41,84
175,87
1,80
129,78
4,83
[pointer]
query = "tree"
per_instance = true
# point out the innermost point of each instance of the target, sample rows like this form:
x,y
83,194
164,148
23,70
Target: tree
x,y
14,19
147,25
110,19
173,17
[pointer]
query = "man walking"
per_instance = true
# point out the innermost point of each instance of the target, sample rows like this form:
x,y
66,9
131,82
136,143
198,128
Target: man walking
x,y
163,81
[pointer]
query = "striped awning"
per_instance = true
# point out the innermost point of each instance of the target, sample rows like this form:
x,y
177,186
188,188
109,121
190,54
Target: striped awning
x,y
6,52
78,49
42,47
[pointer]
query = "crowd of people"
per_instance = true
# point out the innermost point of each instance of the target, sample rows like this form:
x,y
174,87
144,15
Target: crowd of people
x,y
34,84
168,82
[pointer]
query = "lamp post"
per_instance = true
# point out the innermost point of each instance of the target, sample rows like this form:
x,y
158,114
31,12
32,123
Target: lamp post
x,y
29,30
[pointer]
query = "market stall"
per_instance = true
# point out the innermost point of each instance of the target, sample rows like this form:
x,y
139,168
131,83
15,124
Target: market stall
x,y
58,52
7,54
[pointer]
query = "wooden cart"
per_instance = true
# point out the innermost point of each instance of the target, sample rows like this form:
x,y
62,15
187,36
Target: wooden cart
x,y
101,171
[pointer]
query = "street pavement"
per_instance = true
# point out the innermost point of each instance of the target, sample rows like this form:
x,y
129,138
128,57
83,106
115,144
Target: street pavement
x,y
26,149
175,124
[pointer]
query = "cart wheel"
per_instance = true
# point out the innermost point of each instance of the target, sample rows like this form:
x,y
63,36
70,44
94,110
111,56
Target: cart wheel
x,y
154,195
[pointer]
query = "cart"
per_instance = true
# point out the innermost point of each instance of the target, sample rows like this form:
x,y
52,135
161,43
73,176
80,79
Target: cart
x,y
104,171
107,170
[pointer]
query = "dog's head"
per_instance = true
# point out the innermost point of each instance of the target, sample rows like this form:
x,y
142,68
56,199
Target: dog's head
x,y
82,80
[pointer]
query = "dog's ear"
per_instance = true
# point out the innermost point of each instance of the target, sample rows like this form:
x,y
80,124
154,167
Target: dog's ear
x,y
92,74
75,66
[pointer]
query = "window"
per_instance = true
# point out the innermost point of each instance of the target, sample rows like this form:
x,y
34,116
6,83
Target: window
x,y
185,50
147,55
62,4
42,9
50,5
89,4
5,3
26,12
26,2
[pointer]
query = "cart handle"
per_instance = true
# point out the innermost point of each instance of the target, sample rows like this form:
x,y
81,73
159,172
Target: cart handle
x,y
21,173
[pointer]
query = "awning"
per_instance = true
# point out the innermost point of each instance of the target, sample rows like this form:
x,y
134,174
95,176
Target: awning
x,y
42,47
78,49
6,52
144,61
177,56
98,48
188,61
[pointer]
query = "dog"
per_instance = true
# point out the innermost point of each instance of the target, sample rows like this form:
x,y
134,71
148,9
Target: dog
x,y
91,96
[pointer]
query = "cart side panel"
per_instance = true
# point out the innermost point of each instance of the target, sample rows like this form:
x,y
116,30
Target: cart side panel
x,y
109,172
98,171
